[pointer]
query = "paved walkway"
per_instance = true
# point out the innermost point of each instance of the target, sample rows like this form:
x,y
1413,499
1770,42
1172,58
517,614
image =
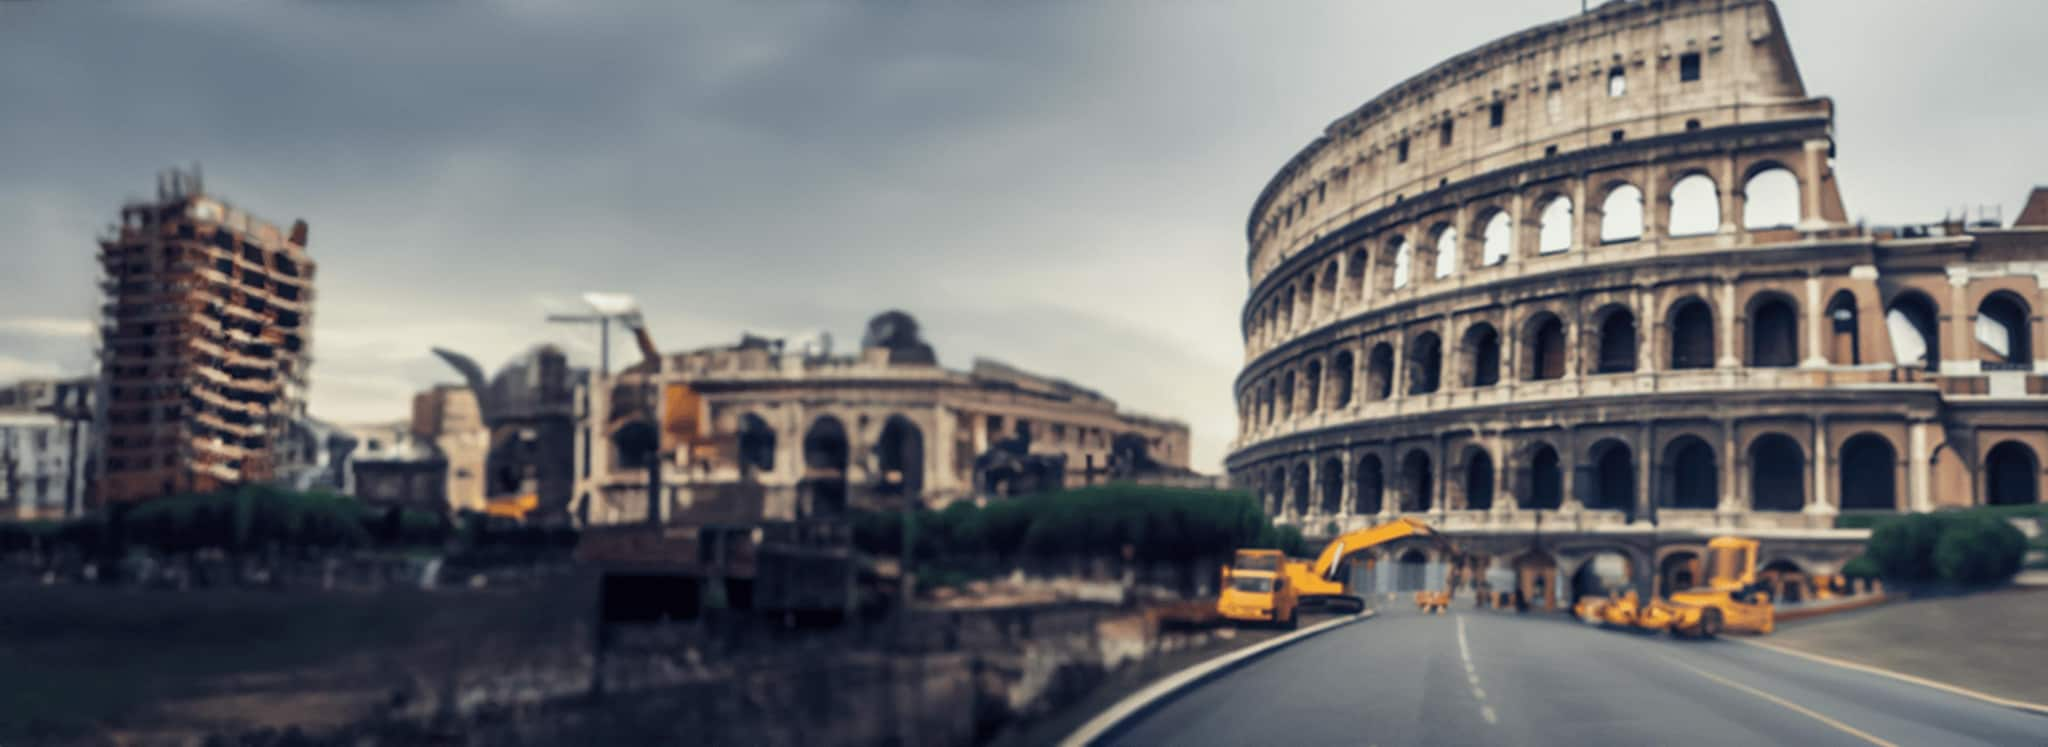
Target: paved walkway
x,y
1995,642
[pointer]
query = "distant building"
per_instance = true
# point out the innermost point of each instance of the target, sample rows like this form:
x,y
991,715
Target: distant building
x,y
529,410
45,447
393,466
203,347
819,434
314,455
447,416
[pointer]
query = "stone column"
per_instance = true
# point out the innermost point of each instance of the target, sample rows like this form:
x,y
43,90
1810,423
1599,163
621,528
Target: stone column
x,y
1646,463
1815,157
1820,504
1816,350
1730,356
1957,358
1731,200
1647,327
1568,463
1518,224
1918,469
1653,200
1398,377
1338,300
1347,488
1579,222
1734,494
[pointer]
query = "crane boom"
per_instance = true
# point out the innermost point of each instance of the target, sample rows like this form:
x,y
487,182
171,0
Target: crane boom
x,y
1359,540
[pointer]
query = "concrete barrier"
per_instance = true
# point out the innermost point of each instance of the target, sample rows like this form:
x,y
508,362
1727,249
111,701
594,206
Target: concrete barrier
x,y
1166,688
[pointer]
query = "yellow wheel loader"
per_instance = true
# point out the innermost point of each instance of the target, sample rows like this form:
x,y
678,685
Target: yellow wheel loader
x,y
1730,602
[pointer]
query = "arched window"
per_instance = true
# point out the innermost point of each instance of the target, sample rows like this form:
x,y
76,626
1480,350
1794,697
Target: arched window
x,y
1276,487
1499,238
1404,261
1379,372
1916,339
1299,486
1332,479
1416,482
1867,474
1773,333
1354,274
1446,251
1370,479
1425,361
1543,348
2002,331
1695,206
1313,387
1617,83
1287,395
1287,309
1777,480
1330,299
1482,355
1621,214
899,452
1845,341
1692,478
1546,480
1308,297
1478,480
2012,475
1555,228
1340,378
1692,335
826,456
1614,484
757,444
1770,199
1617,342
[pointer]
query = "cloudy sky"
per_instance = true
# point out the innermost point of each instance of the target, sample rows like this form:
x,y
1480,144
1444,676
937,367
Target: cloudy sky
x,y
1060,184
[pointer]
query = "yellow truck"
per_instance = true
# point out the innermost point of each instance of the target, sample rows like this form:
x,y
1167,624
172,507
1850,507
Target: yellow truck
x,y
1729,602
1266,586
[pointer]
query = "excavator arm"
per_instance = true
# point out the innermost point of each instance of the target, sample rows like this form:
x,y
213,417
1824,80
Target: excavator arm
x,y
1360,540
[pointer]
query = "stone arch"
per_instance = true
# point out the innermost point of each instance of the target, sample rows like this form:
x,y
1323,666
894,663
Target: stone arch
x,y
1298,485
1543,347
2003,332
1354,274
1331,300
827,454
1312,386
1497,237
1621,214
1341,367
1276,491
1867,473
1784,581
1379,372
899,457
1614,476
1679,569
1690,330
1544,486
1770,198
1845,337
1418,481
1480,350
1478,479
756,444
1691,478
1308,296
1446,250
1412,571
1287,394
1777,473
2012,475
1331,485
1615,344
1554,226
1773,331
1912,320
1404,261
1370,477
1425,363
1695,206
1605,571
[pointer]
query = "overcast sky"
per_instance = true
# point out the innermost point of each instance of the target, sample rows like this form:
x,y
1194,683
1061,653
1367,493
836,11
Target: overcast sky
x,y
1059,185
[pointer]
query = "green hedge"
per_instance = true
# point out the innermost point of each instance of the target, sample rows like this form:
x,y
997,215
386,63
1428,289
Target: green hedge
x,y
1958,548
1157,523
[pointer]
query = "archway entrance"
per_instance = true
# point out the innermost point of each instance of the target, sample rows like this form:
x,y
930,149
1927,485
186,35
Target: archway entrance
x,y
1867,478
1776,473
1691,479
900,455
1614,484
1416,482
1412,573
825,459
1608,572
2012,475
1536,581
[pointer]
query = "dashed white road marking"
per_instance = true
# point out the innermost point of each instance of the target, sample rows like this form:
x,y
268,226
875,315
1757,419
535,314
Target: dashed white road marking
x,y
1472,674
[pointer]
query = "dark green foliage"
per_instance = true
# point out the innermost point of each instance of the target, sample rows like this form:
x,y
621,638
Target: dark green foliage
x,y
1154,523
1979,551
1861,567
1959,548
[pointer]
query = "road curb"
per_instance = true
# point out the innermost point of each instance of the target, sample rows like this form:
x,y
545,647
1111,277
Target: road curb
x,y
2019,705
1157,693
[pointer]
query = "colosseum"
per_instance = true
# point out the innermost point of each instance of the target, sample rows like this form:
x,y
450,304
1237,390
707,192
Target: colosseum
x,y
1590,289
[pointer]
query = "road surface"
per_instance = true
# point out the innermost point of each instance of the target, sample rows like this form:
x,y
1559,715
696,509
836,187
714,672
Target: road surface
x,y
1483,678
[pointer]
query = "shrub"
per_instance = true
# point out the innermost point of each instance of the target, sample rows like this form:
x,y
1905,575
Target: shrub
x,y
1861,567
1903,547
1978,551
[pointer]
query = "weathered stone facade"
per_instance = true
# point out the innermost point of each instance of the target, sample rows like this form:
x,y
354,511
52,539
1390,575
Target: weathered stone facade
x,y
821,433
1592,286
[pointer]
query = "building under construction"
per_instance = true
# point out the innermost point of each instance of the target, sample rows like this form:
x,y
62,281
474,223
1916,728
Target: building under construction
x,y
204,346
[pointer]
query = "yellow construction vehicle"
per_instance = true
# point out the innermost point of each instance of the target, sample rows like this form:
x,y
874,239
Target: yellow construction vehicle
x,y
1267,586
1730,602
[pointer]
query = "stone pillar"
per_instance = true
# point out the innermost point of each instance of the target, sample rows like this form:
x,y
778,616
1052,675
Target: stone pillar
x,y
1647,327
1734,493
1919,467
1347,488
1438,504
1653,201
1447,371
1337,297
1820,503
1816,337
1581,226
1731,199
1730,355
1397,378
1958,358
1518,225
1815,165
1569,463
1646,463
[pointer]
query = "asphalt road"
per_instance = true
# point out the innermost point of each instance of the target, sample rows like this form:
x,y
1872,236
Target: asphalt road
x,y
1483,678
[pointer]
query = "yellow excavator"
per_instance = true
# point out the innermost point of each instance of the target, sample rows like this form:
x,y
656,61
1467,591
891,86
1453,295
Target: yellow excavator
x,y
1730,602
1268,587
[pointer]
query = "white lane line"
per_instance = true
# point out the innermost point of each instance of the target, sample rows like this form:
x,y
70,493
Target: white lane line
x,y
1789,705
1900,676
1481,694
1472,675
1487,713
1464,648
